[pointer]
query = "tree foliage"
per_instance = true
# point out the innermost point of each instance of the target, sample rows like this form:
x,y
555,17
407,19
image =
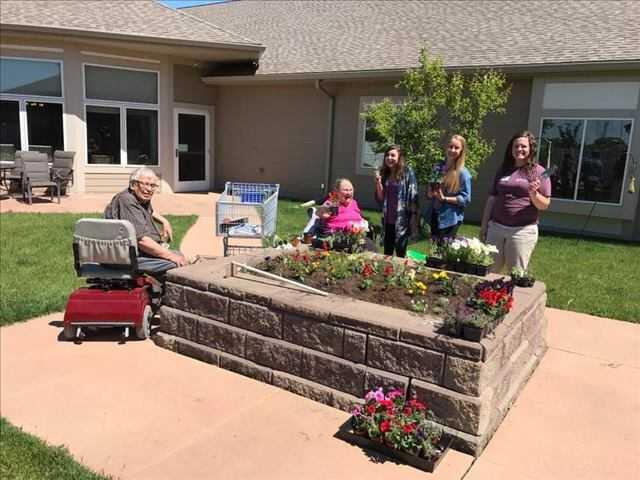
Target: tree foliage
x,y
435,98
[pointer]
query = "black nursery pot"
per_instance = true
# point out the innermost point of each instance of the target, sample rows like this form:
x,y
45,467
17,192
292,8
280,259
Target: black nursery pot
x,y
435,262
524,282
472,333
482,270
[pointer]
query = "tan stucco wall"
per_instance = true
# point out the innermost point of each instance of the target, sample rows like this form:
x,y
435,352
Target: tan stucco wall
x,y
272,134
100,178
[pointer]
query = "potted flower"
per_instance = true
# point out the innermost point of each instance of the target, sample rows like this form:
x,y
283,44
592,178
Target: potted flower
x,y
522,278
480,256
434,256
399,428
493,297
475,325
435,176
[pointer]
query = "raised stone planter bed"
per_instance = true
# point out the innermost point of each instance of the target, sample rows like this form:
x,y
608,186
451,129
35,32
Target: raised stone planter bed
x,y
334,349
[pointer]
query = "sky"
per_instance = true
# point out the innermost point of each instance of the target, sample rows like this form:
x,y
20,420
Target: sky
x,y
186,3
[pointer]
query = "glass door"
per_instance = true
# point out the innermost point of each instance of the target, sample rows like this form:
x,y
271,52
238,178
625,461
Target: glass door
x,y
191,149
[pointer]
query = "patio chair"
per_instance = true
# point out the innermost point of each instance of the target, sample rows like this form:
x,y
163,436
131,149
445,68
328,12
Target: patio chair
x,y
7,152
14,179
36,174
62,169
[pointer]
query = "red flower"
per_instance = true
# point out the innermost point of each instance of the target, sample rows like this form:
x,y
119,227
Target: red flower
x,y
417,404
388,270
367,270
371,409
385,426
409,428
408,410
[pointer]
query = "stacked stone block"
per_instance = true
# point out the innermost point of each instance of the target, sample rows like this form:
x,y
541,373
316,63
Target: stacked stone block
x,y
333,350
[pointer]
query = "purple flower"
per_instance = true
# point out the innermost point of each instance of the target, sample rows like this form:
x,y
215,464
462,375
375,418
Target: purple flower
x,y
357,411
379,395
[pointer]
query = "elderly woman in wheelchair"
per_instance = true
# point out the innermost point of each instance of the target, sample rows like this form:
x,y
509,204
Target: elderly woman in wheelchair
x,y
338,223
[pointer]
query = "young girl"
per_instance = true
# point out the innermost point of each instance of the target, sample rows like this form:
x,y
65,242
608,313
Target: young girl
x,y
454,193
397,191
519,193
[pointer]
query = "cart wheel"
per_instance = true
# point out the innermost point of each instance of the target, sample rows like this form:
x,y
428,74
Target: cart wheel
x,y
69,332
143,331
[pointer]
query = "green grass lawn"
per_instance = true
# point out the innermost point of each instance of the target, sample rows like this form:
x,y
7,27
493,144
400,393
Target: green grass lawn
x,y
36,262
25,457
590,276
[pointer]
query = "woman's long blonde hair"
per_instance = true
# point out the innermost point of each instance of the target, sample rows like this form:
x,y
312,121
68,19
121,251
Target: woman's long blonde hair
x,y
452,178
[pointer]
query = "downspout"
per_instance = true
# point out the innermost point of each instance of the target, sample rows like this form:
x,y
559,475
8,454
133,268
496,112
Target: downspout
x,y
329,157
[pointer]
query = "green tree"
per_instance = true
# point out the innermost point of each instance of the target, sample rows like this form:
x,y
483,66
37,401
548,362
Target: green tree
x,y
433,96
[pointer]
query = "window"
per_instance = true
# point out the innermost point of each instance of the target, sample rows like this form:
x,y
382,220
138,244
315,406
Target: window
x,y
30,77
103,135
590,156
31,106
367,137
122,116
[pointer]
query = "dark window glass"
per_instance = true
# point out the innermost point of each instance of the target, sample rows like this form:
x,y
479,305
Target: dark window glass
x,y
560,147
105,83
142,137
9,127
44,121
604,159
28,77
191,148
103,135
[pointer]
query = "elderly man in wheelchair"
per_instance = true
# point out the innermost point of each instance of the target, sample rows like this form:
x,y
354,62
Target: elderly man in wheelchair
x,y
338,223
124,258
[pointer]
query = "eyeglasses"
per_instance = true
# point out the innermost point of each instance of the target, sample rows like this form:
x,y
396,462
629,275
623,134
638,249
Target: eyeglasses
x,y
148,186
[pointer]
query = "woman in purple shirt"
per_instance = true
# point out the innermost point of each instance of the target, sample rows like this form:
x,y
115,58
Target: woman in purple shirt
x,y
519,192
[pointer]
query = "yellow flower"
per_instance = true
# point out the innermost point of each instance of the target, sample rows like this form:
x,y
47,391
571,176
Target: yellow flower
x,y
421,286
440,276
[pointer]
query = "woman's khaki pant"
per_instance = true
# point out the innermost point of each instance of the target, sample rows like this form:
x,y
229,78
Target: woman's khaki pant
x,y
515,245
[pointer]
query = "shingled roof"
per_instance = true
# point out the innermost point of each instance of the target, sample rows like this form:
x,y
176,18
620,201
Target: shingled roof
x,y
354,36
143,19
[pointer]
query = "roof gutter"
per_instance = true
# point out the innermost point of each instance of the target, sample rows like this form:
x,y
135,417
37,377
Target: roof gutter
x,y
328,164
258,48
394,74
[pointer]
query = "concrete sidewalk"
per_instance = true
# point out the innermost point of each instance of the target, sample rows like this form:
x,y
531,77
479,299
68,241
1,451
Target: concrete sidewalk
x,y
138,411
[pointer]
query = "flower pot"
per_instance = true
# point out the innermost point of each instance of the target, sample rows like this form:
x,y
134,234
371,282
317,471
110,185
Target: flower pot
x,y
307,238
482,270
434,262
524,282
473,334
421,463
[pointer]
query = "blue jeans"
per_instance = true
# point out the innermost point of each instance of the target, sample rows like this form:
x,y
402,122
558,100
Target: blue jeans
x,y
155,264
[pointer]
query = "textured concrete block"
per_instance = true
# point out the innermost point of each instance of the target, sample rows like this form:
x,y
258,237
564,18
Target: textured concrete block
x,y
274,353
221,336
355,346
453,409
209,305
469,377
311,333
164,340
354,320
174,296
333,371
197,351
405,359
443,343
255,318
168,320
375,378
245,367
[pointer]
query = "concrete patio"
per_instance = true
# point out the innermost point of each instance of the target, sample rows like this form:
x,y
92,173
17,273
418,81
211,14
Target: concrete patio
x,y
139,411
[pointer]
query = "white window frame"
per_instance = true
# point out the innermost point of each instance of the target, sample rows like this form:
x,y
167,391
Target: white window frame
x,y
122,106
22,100
362,124
579,169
